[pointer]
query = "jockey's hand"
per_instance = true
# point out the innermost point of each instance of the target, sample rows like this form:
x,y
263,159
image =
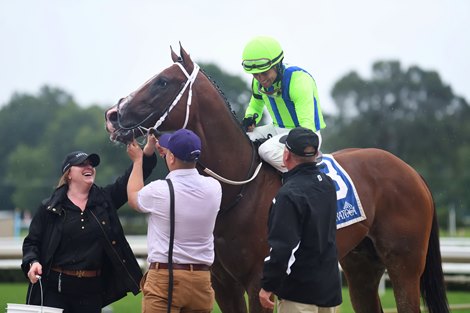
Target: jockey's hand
x,y
249,123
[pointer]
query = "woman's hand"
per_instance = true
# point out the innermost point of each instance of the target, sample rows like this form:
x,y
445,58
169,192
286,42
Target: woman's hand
x,y
34,271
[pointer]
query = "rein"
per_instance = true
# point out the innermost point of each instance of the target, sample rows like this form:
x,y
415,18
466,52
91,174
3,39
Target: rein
x,y
233,182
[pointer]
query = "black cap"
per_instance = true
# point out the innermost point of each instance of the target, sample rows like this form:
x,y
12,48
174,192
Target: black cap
x,y
78,157
299,139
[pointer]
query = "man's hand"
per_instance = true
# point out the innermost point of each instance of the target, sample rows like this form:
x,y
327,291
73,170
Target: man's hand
x,y
134,151
265,299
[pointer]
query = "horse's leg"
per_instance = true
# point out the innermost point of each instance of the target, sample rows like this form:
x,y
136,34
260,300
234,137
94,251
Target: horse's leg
x,y
229,293
404,266
253,287
363,270
401,242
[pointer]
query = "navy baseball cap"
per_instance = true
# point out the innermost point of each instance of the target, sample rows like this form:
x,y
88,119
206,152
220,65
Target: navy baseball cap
x,y
183,143
299,139
78,157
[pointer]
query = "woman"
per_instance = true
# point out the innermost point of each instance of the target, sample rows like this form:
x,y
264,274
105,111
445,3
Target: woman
x,y
76,241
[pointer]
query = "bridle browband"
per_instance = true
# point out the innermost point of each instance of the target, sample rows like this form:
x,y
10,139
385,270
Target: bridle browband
x,y
191,78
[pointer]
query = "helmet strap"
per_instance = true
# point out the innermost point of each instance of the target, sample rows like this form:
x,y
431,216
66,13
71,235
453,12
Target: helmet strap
x,y
279,67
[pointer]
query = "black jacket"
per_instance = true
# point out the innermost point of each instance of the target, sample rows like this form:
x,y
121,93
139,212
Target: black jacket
x,y
303,264
121,273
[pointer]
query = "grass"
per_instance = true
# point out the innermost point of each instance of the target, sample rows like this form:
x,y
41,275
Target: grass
x,y
16,293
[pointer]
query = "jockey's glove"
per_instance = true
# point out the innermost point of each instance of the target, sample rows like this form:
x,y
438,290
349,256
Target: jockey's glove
x,y
249,121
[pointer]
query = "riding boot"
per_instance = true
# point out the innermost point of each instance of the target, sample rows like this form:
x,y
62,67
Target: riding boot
x,y
259,142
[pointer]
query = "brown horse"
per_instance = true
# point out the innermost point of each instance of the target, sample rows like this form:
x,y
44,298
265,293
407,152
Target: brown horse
x,y
400,234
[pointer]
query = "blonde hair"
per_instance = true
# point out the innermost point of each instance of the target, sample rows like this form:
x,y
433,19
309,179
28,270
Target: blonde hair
x,y
64,179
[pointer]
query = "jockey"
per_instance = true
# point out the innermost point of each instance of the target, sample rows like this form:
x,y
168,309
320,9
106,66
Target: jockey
x,y
288,92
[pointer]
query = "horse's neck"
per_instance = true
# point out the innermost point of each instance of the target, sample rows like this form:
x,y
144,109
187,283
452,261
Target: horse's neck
x,y
228,151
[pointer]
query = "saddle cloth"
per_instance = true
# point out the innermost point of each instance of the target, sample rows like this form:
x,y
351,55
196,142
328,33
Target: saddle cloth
x,y
349,209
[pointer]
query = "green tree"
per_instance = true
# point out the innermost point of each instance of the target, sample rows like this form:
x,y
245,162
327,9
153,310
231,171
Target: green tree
x,y
413,114
22,122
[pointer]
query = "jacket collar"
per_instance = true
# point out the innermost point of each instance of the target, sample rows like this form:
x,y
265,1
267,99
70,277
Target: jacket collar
x,y
52,203
310,167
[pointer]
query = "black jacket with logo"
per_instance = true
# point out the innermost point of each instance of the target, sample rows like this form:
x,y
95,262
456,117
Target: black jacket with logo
x,y
303,264
121,273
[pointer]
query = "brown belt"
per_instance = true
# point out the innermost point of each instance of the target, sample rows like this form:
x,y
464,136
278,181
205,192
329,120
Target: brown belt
x,y
186,267
78,273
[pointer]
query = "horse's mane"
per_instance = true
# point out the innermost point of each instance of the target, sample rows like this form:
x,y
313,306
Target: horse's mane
x,y
222,94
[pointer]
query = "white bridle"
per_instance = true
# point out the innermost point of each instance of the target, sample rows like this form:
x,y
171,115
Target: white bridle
x,y
191,78
189,83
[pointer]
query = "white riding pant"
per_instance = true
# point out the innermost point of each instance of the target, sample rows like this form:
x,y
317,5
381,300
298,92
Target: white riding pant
x,y
272,150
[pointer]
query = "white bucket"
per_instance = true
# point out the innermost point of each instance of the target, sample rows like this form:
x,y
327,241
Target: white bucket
x,y
27,308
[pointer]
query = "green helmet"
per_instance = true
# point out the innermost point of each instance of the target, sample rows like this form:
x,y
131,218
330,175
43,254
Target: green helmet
x,y
261,54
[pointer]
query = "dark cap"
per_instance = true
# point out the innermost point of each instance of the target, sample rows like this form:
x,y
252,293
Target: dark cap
x,y
299,139
78,157
183,143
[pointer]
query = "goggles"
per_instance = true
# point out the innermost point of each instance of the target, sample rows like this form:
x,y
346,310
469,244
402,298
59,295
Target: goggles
x,y
257,64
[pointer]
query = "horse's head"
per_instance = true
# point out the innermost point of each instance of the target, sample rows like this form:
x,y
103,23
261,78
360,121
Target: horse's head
x,y
154,104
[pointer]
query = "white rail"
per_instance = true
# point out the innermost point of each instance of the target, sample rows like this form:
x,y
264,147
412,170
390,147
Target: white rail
x,y
455,253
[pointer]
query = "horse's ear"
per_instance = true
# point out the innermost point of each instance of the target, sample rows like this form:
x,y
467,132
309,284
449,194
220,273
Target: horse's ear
x,y
187,62
174,56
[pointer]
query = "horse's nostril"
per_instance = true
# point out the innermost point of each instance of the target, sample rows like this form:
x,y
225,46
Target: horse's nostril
x,y
112,116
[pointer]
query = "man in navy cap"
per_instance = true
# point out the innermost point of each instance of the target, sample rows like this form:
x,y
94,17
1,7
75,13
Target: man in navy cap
x,y
197,200
302,266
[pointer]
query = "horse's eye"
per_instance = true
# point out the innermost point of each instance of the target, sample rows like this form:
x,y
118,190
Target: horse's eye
x,y
162,83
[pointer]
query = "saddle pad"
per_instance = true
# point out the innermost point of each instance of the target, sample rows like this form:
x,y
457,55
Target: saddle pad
x,y
349,209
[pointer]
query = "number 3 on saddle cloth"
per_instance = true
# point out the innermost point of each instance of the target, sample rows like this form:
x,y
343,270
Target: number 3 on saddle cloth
x,y
349,209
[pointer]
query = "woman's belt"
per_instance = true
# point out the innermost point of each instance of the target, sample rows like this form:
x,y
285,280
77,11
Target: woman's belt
x,y
186,267
78,273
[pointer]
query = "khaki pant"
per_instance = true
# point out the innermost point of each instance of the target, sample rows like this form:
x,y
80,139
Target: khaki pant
x,y
192,291
286,306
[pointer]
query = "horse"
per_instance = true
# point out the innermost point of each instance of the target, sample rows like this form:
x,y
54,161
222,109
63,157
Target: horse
x,y
399,235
